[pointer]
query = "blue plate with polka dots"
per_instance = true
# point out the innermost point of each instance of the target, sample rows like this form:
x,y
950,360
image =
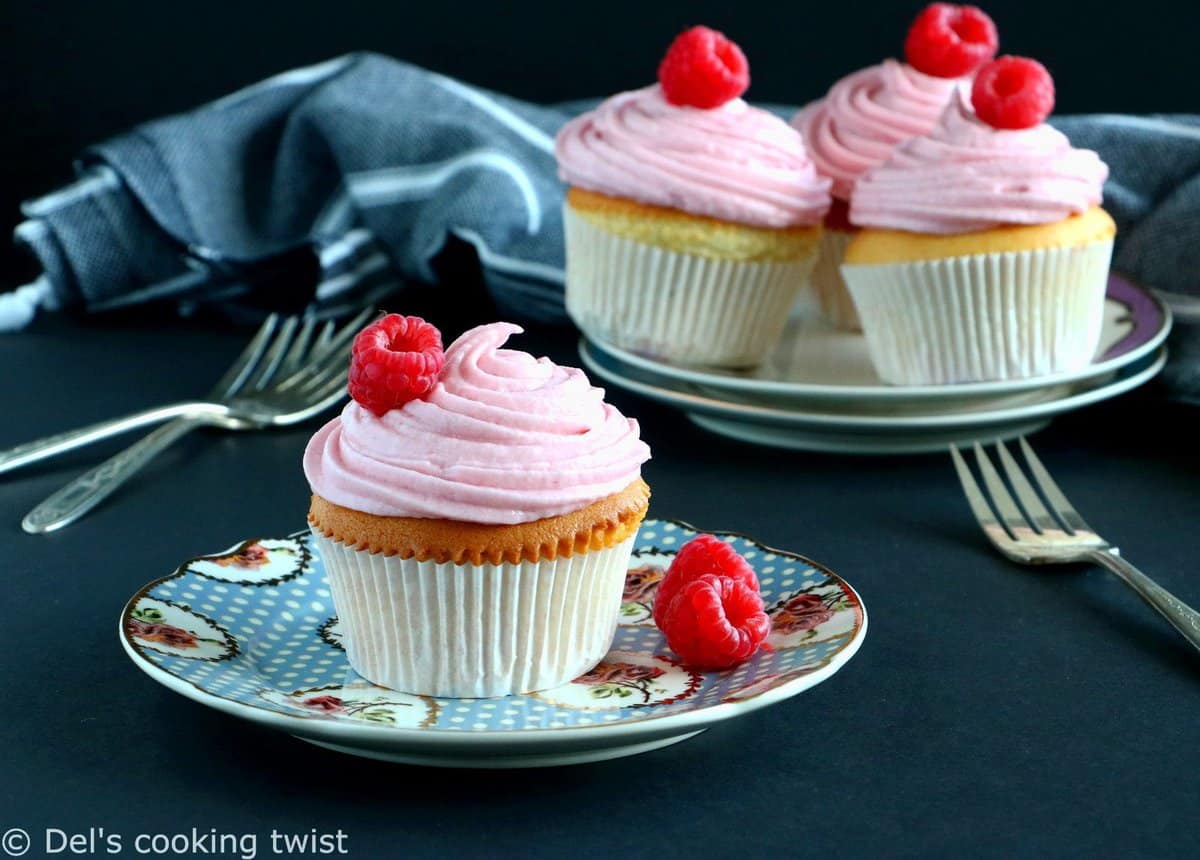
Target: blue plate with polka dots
x,y
252,631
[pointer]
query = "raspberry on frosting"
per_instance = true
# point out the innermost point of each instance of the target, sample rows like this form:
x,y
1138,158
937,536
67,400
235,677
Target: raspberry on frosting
x,y
949,41
1013,92
703,69
394,360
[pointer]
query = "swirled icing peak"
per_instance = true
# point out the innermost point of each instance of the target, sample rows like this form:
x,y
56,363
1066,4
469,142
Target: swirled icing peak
x,y
734,162
966,176
866,114
502,438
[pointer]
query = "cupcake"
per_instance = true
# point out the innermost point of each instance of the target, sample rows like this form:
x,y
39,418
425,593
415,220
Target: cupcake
x,y
865,115
983,253
692,219
475,513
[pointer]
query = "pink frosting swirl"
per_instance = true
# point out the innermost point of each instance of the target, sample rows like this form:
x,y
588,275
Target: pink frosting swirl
x,y
503,438
736,162
864,115
967,176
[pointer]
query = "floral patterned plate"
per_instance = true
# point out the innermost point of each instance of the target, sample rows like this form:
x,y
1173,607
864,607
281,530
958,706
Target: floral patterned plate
x,y
252,632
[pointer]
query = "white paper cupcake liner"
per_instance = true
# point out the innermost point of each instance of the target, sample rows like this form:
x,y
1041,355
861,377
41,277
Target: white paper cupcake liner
x,y
981,317
675,306
472,631
837,307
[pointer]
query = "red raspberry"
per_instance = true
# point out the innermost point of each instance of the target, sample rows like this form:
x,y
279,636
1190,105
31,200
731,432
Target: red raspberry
x,y
715,622
703,554
703,69
1013,92
394,360
949,41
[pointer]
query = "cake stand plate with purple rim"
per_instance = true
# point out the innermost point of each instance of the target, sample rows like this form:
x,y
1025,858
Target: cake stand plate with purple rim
x,y
854,414
831,370
252,632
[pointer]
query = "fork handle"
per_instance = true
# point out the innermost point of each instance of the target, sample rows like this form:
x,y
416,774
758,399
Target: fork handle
x,y
88,490
60,443
1181,616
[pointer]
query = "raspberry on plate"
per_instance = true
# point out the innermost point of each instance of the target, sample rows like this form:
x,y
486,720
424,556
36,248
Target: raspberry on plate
x,y
394,360
1013,92
703,69
715,622
708,605
949,41
703,554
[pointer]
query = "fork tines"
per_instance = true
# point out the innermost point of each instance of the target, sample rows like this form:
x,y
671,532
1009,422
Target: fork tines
x,y
1039,508
288,357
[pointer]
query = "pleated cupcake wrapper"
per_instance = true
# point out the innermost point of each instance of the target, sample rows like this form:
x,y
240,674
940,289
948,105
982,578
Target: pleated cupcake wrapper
x,y
474,630
1010,315
832,295
676,306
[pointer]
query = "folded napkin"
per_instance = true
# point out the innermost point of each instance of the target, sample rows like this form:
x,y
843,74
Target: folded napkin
x,y
356,172
364,165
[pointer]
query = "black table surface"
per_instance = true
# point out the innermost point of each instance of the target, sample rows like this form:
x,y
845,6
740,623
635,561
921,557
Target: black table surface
x,y
992,708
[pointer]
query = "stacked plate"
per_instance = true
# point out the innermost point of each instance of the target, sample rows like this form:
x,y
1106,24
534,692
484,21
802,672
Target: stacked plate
x,y
818,391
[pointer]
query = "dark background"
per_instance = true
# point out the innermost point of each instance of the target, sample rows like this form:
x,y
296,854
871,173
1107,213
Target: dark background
x,y
72,73
993,710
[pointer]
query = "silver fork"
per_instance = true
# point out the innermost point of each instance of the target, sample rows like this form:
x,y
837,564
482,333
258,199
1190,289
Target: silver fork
x,y
1036,535
285,375
214,407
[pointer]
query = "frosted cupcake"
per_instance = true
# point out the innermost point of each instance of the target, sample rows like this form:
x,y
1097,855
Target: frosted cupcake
x,y
692,219
865,115
475,518
983,253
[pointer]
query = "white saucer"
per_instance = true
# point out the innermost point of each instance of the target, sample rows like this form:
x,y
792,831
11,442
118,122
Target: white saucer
x,y
251,632
830,371
903,432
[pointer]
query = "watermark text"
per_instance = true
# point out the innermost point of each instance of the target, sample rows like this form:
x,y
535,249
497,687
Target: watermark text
x,y
194,842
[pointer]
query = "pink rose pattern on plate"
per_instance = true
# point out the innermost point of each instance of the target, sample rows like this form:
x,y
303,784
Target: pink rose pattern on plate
x,y
166,627
262,561
251,555
626,680
329,704
363,702
800,613
621,679
641,584
148,631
